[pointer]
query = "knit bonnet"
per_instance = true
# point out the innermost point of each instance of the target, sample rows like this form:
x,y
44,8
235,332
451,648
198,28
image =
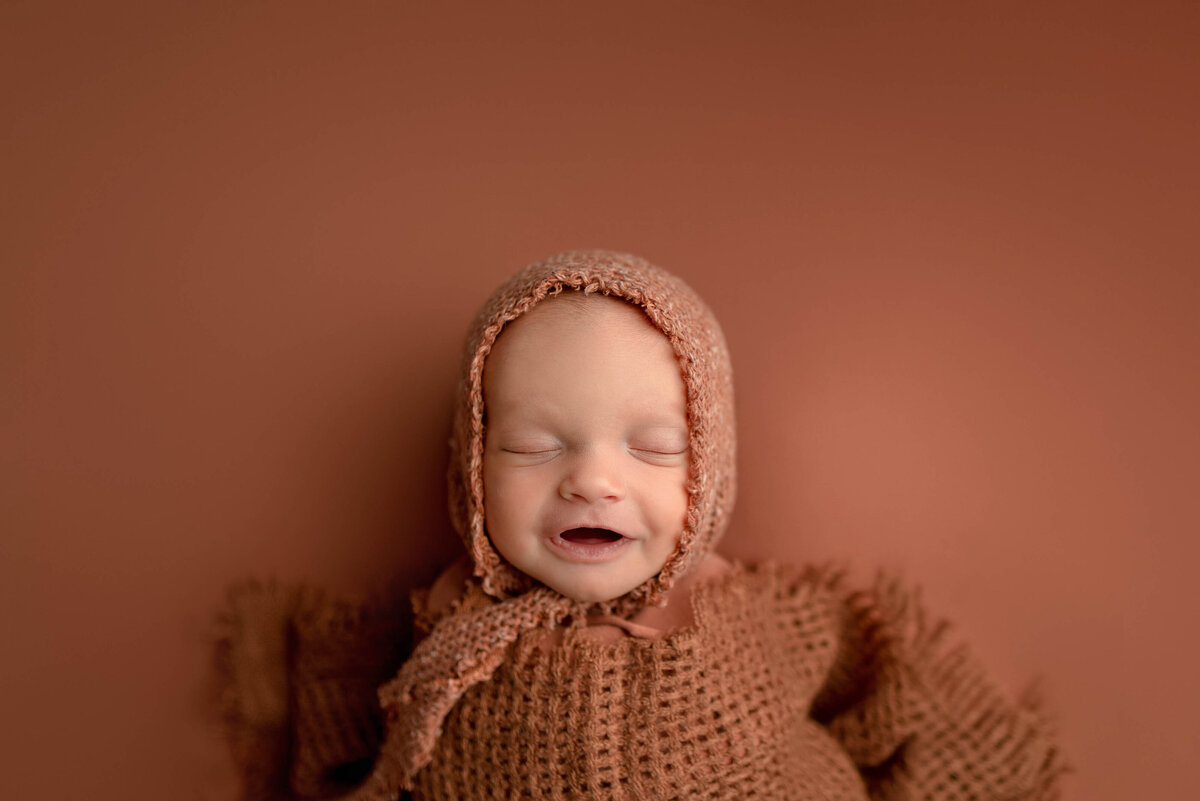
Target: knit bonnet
x,y
466,646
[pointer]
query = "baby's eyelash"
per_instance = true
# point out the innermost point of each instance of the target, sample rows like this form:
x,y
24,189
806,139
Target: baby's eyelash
x,y
661,458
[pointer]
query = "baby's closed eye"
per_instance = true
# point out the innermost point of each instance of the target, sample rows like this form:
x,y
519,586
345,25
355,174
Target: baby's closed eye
x,y
667,445
526,448
539,447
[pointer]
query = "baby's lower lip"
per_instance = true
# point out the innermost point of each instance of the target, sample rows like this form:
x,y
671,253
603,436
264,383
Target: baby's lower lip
x,y
588,545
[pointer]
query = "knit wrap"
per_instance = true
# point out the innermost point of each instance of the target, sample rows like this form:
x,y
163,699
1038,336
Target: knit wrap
x,y
786,687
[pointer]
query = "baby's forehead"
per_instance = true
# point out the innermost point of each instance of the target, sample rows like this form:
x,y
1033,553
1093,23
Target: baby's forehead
x,y
581,343
604,316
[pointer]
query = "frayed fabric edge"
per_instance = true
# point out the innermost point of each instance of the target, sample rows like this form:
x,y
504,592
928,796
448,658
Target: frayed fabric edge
x,y
972,714
250,682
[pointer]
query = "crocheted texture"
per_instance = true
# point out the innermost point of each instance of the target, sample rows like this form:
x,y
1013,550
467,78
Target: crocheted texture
x,y
468,649
339,656
929,714
786,687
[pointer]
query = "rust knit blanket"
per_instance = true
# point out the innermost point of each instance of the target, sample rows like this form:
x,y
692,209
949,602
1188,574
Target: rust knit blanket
x,y
785,687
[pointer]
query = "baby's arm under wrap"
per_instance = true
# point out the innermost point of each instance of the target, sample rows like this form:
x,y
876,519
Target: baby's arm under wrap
x,y
924,721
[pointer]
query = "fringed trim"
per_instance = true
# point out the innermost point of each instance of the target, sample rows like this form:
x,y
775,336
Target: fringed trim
x,y
250,649
928,722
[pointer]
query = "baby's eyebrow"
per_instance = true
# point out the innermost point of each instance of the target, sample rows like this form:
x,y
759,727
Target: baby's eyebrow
x,y
672,432
664,425
663,419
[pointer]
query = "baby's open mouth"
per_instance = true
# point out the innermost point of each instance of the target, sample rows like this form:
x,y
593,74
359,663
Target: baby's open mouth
x,y
590,536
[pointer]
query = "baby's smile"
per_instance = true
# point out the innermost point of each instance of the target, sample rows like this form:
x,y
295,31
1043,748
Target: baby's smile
x,y
591,536
588,544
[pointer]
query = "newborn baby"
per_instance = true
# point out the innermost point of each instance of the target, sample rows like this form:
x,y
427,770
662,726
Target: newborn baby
x,y
592,644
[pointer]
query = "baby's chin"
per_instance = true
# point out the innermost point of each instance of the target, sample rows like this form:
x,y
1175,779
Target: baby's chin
x,y
600,589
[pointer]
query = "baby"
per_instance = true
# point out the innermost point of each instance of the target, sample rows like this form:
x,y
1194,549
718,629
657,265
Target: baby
x,y
592,474
592,644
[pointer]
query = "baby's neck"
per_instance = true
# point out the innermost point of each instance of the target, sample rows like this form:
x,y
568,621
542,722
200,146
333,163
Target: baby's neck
x,y
651,622
678,611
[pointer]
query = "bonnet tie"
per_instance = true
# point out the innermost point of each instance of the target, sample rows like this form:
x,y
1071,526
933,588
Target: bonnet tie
x,y
461,651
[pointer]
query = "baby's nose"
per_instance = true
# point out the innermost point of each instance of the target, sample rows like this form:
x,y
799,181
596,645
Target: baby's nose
x,y
592,478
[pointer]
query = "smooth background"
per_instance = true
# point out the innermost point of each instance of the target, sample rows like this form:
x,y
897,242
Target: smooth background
x,y
953,248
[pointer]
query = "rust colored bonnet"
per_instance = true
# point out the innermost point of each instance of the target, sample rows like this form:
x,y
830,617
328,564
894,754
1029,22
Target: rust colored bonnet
x,y
684,319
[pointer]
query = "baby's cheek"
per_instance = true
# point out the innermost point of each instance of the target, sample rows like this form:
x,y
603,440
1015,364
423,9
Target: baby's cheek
x,y
511,510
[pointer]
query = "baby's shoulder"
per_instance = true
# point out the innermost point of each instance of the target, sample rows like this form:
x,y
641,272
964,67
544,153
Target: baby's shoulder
x,y
443,596
791,586
806,606
450,586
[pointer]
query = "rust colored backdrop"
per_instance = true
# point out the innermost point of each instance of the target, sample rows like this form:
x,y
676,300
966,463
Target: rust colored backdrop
x,y
953,248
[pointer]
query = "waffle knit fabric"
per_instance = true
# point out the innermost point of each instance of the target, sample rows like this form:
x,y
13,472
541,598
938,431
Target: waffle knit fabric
x,y
785,686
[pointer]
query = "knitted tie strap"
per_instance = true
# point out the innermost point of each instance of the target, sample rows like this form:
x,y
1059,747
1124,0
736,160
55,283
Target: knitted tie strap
x,y
461,651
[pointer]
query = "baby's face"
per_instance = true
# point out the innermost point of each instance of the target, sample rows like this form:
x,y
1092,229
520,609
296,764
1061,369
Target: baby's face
x,y
586,447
